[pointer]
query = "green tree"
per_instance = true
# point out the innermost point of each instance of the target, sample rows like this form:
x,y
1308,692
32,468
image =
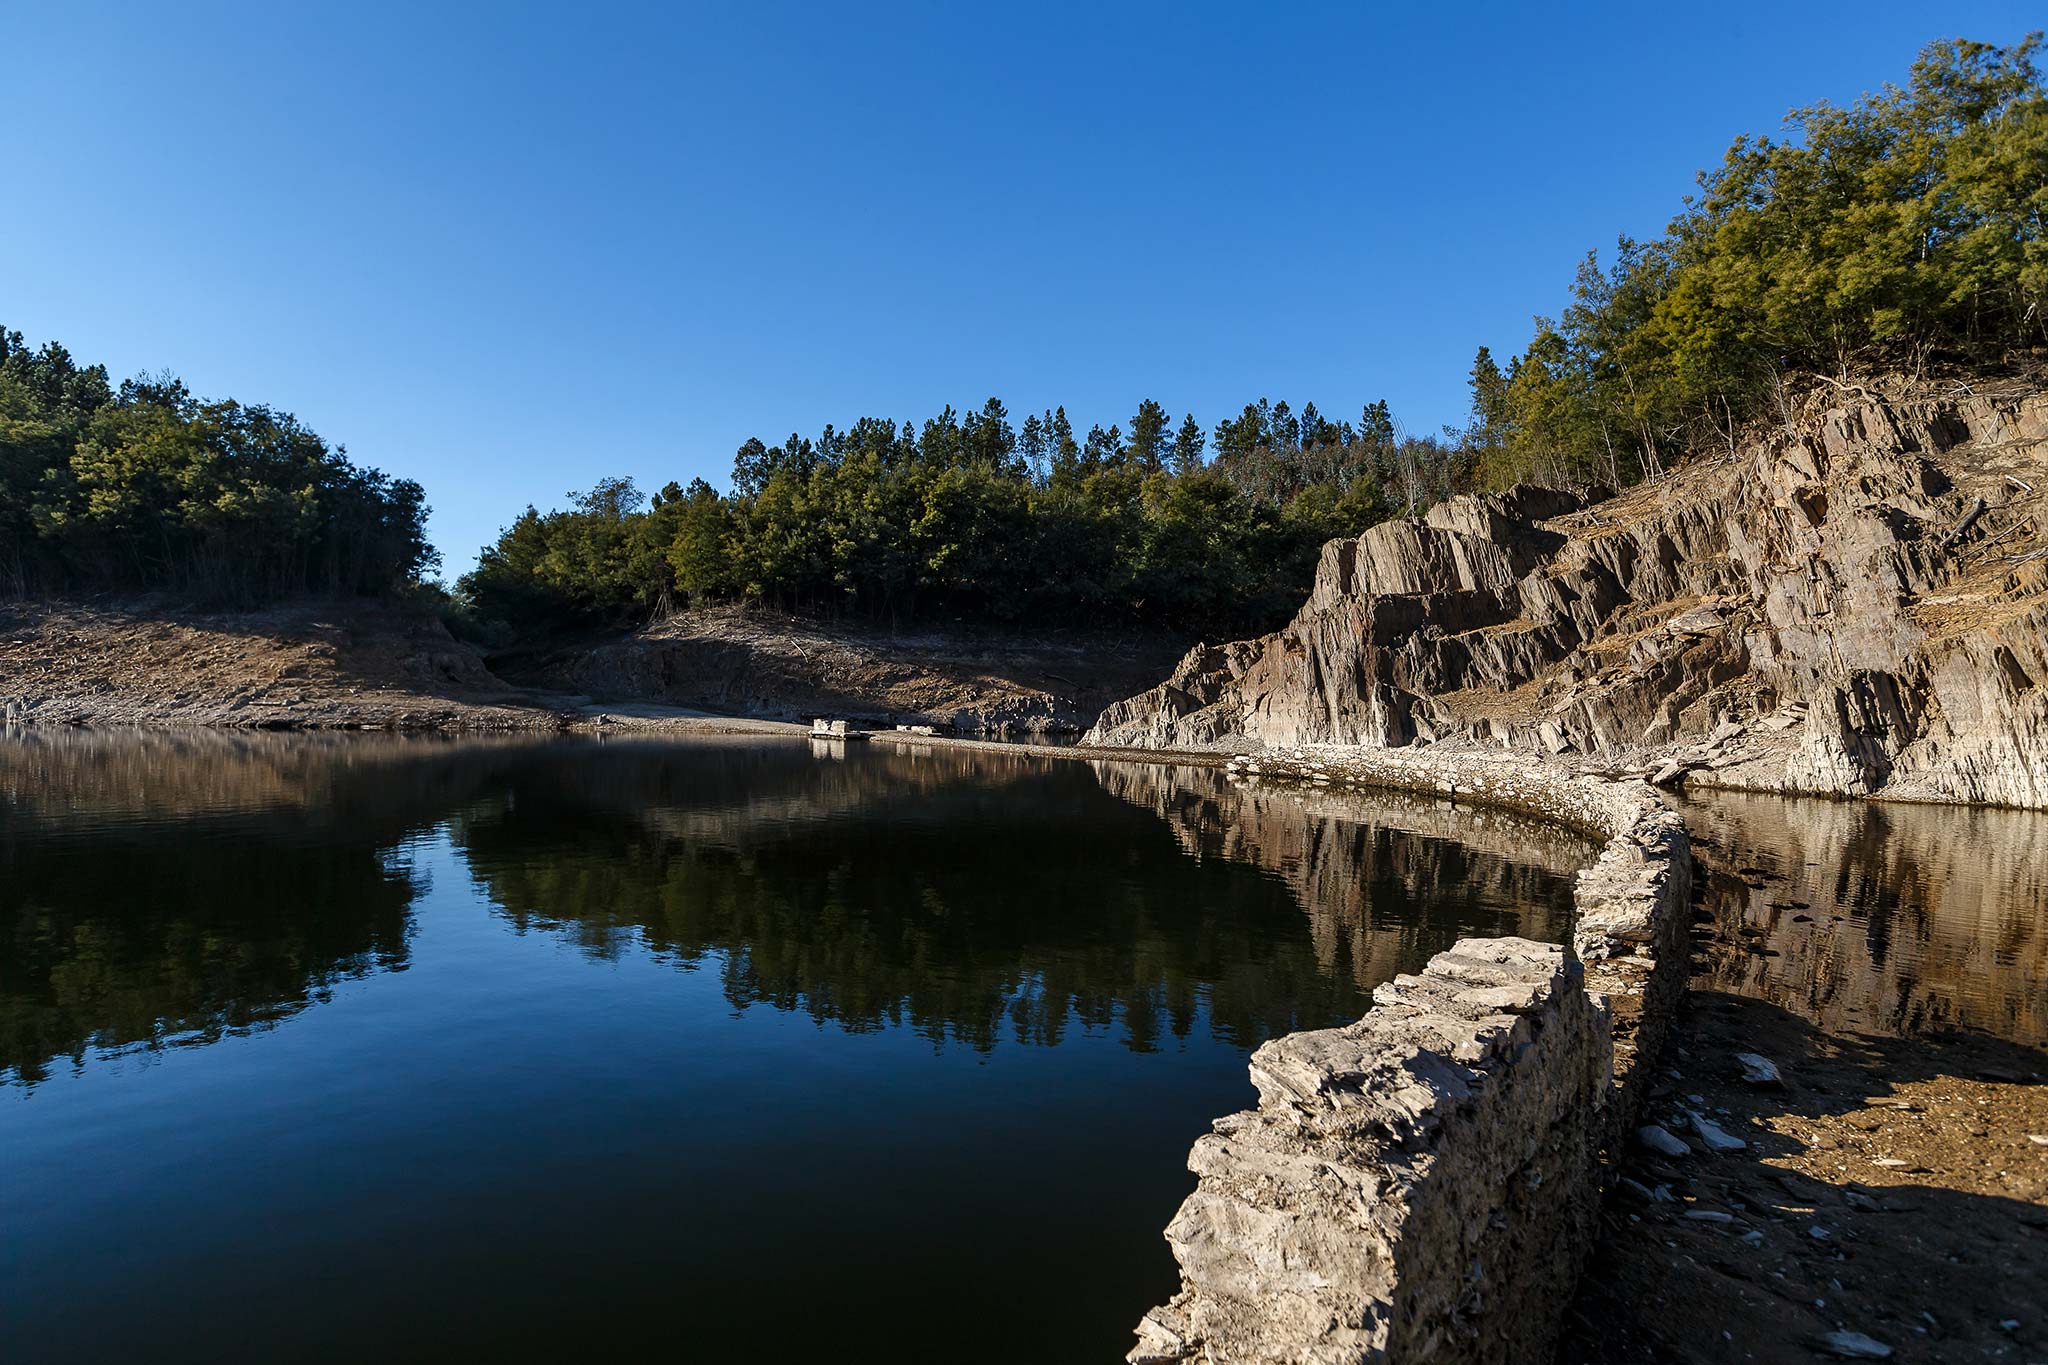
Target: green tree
x,y
1188,446
1149,428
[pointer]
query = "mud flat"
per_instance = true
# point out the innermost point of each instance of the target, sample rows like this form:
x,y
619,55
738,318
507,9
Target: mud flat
x,y
1887,964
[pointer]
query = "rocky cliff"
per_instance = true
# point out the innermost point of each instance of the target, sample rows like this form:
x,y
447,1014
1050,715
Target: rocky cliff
x,y
1854,603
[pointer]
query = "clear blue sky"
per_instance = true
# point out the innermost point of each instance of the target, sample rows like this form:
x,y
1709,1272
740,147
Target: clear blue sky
x,y
507,250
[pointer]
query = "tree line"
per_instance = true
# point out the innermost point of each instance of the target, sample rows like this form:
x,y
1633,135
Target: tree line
x,y
1907,231
979,517
144,487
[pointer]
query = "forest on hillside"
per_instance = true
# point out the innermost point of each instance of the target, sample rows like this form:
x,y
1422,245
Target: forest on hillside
x,y
1906,232
144,487
983,519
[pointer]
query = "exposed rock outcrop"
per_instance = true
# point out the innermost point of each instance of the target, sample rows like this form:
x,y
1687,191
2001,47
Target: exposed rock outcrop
x,y
1341,1220
1855,604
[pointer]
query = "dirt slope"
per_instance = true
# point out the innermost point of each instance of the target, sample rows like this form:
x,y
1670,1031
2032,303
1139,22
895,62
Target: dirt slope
x,y
319,665
760,664
368,665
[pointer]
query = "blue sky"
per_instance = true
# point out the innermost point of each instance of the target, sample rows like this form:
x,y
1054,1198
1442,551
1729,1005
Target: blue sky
x,y
507,250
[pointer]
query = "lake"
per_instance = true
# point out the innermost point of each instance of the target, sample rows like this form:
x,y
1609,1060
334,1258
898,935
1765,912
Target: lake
x,y
349,1046
1877,918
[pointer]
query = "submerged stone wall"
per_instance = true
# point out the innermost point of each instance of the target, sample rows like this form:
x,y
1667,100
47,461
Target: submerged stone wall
x,y
1422,1185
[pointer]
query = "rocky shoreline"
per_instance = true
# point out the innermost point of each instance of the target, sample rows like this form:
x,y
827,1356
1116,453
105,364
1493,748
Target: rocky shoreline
x,y
1854,606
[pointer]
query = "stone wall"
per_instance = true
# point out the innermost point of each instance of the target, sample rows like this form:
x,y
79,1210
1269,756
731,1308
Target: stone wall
x,y
1422,1185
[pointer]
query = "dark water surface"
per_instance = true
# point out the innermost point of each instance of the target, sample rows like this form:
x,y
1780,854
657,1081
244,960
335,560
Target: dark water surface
x,y
713,1049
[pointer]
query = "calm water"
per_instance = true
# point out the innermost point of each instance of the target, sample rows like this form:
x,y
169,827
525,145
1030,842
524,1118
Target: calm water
x,y
721,1050
1870,917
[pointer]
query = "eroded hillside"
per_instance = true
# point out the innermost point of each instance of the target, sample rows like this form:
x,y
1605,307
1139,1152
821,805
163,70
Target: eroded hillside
x,y
1853,603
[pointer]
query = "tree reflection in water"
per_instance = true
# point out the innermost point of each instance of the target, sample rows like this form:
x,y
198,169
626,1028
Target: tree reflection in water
x,y
169,889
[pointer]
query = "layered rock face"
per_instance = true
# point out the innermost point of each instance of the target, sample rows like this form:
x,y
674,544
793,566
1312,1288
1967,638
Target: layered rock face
x,y
1855,604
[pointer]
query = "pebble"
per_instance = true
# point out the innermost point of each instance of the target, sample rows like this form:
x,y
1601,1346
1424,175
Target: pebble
x,y
1716,1137
1709,1216
1855,1346
1660,1140
1759,1070
2038,1139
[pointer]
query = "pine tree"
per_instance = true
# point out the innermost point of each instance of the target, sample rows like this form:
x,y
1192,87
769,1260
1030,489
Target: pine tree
x,y
1149,436
1188,445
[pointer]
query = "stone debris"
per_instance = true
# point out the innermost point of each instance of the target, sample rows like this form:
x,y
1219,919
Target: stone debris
x,y
1854,1346
1717,1138
1698,621
1662,1140
1759,1071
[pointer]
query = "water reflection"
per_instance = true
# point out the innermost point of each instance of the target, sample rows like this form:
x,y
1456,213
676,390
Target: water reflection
x,y
166,889
162,890
654,1043
125,950
1361,862
1874,917
970,898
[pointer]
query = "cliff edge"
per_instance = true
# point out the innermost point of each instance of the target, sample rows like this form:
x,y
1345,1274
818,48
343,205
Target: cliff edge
x,y
1854,603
